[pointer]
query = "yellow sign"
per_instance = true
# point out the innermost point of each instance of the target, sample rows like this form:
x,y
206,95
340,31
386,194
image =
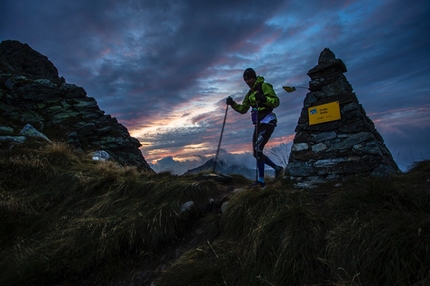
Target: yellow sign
x,y
324,113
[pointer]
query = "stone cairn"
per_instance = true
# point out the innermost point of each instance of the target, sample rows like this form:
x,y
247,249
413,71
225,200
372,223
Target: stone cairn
x,y
348,147
33,95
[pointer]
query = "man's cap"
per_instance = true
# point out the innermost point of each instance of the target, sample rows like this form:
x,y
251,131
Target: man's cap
x,y
249,73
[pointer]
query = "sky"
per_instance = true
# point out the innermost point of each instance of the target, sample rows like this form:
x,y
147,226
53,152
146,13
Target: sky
x,y
164,68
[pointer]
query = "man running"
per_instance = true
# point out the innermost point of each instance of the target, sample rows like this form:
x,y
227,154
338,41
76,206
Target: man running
x,y
263,99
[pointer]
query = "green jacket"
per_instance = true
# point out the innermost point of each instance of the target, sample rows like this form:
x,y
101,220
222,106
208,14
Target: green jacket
x,y
272,100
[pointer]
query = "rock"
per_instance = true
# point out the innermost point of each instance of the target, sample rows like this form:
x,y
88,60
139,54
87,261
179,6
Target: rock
x,y
224,207
32,93
18,58
335,150
300,147
30,131
6,130
13,139
187,206
100,155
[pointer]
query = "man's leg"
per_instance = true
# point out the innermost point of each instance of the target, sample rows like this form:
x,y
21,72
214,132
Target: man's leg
x,y
260,140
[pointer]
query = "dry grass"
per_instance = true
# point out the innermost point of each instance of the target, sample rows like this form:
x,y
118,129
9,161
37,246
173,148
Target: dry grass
x,y
69,220
67,215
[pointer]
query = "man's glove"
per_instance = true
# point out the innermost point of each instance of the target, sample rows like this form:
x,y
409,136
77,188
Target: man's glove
x,y
260,97
229,101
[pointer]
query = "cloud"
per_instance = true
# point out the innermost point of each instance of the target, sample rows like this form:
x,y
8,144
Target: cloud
x,y
168,164
164,68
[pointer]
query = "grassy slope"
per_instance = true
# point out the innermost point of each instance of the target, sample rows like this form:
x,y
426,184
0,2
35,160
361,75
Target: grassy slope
x,y
68,220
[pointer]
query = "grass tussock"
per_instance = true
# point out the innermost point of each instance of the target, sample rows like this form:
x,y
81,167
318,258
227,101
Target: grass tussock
x,y
81,215
380,230
215,263
271,226
69,220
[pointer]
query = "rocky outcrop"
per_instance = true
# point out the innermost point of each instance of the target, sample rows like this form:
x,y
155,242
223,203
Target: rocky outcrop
x,y
31,92
334,150
19,59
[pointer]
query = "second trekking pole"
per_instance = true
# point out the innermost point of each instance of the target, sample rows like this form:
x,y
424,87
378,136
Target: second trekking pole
x,y
220,139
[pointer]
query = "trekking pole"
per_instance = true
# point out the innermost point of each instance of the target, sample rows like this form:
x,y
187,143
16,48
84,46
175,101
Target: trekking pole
x,y
256,141
220,138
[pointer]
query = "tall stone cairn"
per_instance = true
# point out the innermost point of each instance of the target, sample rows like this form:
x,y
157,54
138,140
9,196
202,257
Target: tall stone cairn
x,y
340,149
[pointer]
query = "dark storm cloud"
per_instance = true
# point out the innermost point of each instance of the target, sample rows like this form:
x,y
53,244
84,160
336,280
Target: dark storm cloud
x,y
158,48
141,60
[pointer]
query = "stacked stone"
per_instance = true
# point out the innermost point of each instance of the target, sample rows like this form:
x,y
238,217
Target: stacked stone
x,y
32,93
338,149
